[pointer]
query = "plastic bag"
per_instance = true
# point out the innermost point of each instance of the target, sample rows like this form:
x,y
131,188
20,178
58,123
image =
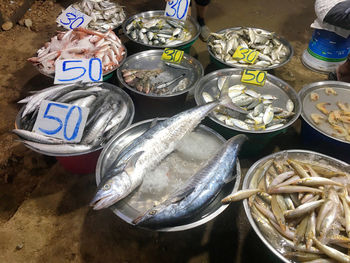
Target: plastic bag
x,y
339,15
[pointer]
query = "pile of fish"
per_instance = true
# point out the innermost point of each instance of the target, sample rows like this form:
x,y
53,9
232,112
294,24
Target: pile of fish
x,y
260,112
158,31
152,81
338,120
146,152
271,50
105,14
106,115
80,43
302,208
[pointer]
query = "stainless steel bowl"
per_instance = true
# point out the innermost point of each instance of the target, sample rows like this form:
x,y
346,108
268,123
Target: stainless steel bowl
x,y
191,25
283,41
151,59
273,86
126,212
247,183
125,123
308,106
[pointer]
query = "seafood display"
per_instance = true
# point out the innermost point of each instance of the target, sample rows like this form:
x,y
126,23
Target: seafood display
x,y
299,201
146,81
110,111
80,43
273,51
145,153
338,119
105,14
190,154
154,29
328,109
147,74
266,108
198,191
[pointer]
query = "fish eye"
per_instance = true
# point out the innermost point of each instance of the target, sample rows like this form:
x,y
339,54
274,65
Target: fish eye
x,y
153,212
106,187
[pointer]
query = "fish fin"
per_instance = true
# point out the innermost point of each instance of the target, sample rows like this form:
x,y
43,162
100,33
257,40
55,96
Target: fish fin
x,y
230,179
130,164
154,122
181,195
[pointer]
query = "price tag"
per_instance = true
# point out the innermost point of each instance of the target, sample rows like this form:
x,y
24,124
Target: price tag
x,y
254,76
72,18
246,54
74,70
172,55
177,9
61,120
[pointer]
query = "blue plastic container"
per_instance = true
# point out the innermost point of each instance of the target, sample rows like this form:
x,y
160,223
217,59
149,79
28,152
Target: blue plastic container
x,y
326,51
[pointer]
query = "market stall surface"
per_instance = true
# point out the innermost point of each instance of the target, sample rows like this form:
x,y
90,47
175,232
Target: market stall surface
x,y
44,213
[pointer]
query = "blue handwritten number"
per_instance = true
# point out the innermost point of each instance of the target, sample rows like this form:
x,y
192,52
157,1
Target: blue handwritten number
x,y
65,68
90,69
70,17
178,10
77,125
172,6
82,21
50,117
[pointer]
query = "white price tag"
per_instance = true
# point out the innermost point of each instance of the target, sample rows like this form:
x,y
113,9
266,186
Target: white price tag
x,y
72,18
177,9
61,120
74,70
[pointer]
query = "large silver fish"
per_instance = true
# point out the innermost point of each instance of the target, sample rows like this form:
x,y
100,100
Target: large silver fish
x,y
144,153
198,191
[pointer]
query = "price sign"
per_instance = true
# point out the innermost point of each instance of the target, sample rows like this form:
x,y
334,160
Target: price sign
x,y
177,9
254,76
72,18
172,55
73,70
61,120
246,54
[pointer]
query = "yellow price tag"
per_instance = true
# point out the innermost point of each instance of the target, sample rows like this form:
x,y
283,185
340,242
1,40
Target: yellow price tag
x,y
245,54
172,55
253,76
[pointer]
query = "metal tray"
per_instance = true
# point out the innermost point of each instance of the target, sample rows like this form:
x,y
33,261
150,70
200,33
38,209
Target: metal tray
x,y
123,210
125,123
309,106
151,59
296,154
273,86
191,25
283,41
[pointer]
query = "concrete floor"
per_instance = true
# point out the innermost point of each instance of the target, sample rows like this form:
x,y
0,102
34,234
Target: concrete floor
x,y
44,216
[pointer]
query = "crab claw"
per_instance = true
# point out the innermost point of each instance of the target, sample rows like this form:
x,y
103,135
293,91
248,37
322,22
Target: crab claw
x,y
322,107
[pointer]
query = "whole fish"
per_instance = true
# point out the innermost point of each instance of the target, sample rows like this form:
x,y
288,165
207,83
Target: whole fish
x,y
145,152
198,191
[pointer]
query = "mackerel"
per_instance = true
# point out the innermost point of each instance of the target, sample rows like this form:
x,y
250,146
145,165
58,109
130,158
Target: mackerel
x,y
146,152
198,191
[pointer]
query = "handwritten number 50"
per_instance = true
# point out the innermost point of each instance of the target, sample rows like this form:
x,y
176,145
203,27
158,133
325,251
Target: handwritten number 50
x,y
60,122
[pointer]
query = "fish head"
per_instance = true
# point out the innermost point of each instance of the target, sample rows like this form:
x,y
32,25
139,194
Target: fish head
x,y
111,191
